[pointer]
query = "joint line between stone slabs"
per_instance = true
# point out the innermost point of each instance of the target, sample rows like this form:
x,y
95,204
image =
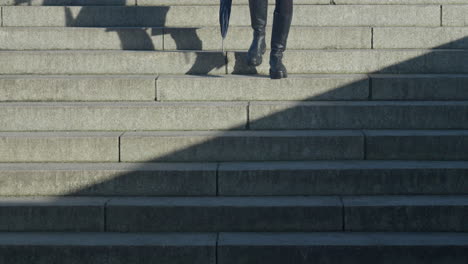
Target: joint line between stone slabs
x,y
372,38
343,223
1,16
119,147
247,126
163,37
156,95
364,142
441,15
370,88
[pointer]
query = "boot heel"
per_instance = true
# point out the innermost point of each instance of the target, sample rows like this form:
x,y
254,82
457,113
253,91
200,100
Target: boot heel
x,y
278,75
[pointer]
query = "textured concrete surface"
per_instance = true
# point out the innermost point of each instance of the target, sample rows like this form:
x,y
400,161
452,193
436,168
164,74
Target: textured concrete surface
x,y
419,87
107,248
420,37
342,177
302,248
259,88
111,62
402,61
59,147
213,214
358,115
455,15
241,146
49,214
77,88
406,213
107,179
305,15
124,116
417,145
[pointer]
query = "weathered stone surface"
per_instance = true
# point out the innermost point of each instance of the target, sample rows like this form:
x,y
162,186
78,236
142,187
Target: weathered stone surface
x,y
59,146
107,179
406,213
73,38
305,15
360,61
455,15
241,146
122,116
398,2
44,214
352,248
214,214
68,2
419,87
417,145
111,62
107,248
358,115
255,88
77,88
216,2
420,37
240,38
342,178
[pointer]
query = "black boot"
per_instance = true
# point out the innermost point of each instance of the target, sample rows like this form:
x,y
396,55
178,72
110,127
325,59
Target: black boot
x,y
258,17
281,25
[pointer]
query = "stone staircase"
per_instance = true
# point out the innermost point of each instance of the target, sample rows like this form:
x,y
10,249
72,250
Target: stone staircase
x,y
127,136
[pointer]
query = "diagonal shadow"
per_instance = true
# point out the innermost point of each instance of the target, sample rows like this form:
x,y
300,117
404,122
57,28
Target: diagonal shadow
x,y
212,150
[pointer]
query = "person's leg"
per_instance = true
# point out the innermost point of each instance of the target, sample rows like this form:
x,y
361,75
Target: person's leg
x,y
258,16
281,24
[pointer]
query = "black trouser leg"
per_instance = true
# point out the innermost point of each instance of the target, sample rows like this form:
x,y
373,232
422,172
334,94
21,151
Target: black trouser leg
x,y
281,25
258,17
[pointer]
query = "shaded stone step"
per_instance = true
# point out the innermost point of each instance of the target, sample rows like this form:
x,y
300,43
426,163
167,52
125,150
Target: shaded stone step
x,y
305,15
107,179
204,62
213,214
419,87
77,88
52,214
352,248
59,146
241,146
107,248
398,2
123,116
342,178
406,213
416,144
358,115
205,38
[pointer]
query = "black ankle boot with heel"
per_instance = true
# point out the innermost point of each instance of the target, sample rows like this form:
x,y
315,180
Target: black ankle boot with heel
x,y
281,25
258,16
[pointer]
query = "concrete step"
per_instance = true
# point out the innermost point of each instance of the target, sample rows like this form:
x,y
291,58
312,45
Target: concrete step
x,y
141,2
150,16
308,87
52,214
204,38
342,178
122,116
334,248
406,213
107,248
241,146
234,179
145,116
356,115
214,214
59,147
203,62
416,144
108,179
